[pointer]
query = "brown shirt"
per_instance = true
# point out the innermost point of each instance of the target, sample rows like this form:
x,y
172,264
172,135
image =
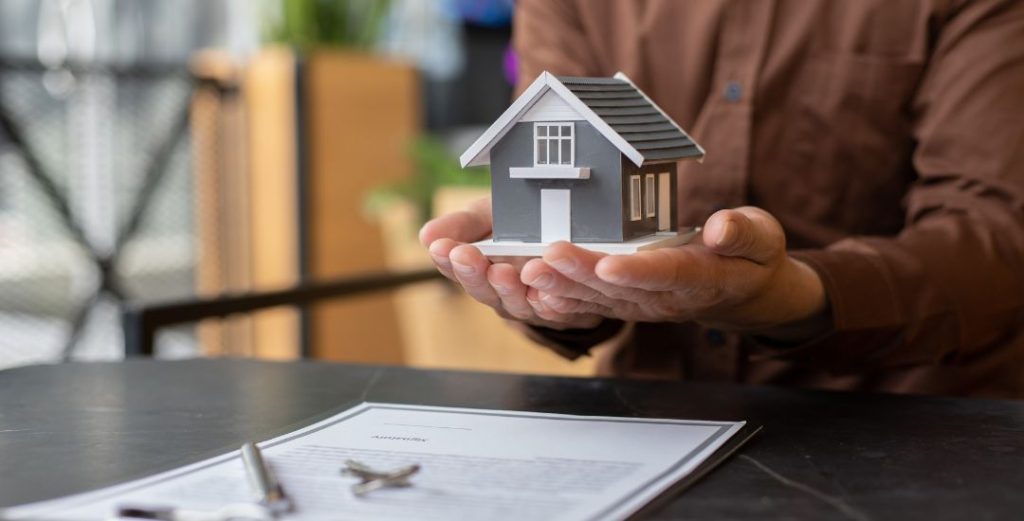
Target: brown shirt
x,y
888,138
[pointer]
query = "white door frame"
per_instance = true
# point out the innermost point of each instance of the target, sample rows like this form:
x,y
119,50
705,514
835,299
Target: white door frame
x,y
664,202
555,215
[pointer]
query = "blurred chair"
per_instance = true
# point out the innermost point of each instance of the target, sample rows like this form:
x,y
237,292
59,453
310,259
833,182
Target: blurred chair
x,y
92,169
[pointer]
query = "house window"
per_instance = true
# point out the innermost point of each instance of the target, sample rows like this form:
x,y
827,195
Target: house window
x,y
649,199
554,144
634,197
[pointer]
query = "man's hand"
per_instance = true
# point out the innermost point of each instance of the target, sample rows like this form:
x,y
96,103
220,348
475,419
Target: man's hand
x,y
736,277
495,282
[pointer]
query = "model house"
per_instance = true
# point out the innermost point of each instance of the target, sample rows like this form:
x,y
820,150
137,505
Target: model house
x,y
586,160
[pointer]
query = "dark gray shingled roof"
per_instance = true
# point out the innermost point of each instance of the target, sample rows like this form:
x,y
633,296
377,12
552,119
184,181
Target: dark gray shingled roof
x,y
630,114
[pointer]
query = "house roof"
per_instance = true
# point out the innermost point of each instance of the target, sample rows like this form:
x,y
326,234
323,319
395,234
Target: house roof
x,y
616,108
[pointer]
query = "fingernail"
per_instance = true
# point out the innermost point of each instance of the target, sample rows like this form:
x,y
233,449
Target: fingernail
x,y
727,234
500,289
464,269
542,281
564,264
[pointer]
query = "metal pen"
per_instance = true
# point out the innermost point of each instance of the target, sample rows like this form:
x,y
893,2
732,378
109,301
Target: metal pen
x,y
264,482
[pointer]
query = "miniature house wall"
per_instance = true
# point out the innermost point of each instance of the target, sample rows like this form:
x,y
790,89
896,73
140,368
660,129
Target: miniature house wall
x,y
592,202
591,162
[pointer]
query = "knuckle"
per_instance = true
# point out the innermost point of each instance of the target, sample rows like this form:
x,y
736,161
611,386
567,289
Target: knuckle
x,y
519,312
549,314
701,294
614,292
666,309
583,292
561,305
633,313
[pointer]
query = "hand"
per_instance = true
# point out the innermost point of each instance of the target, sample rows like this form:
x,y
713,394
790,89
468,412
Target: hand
x,y
737,276
495,282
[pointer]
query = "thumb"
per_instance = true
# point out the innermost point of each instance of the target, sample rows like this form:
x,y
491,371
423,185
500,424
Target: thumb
x,y
746,232
469,225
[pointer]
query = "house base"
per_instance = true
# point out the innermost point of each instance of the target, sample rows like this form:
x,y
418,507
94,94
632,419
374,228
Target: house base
x,y
491,248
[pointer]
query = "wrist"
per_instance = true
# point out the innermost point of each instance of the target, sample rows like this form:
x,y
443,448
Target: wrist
x,y
801,297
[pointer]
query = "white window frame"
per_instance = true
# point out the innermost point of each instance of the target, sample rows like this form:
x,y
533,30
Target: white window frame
x,y
650,199
548,139
635,199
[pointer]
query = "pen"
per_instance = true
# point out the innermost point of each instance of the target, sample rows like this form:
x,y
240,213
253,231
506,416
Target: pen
x,y
263,481
232,512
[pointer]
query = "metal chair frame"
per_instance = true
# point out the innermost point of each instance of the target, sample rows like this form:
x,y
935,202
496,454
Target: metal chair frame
x,y
142,321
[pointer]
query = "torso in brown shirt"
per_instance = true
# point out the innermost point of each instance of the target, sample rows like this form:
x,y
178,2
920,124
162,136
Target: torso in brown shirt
x,y
887,136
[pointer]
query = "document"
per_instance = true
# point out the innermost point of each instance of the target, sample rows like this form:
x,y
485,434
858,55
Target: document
x,y
474,464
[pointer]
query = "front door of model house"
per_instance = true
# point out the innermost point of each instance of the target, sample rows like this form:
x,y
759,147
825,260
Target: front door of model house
x,y
555,224
664,200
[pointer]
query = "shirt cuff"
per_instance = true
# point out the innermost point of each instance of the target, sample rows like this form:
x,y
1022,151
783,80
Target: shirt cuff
x,y
865,315
857,286
574,343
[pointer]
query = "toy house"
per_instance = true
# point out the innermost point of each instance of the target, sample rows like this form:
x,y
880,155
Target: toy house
x,y
586,160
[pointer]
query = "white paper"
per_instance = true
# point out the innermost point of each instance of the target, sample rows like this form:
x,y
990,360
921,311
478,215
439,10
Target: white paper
x,y
476,464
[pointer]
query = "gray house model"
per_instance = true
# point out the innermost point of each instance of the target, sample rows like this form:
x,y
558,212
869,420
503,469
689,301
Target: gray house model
x,y
586,160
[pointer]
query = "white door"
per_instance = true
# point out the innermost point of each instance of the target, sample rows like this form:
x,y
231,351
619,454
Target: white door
x,y
664,202
554,215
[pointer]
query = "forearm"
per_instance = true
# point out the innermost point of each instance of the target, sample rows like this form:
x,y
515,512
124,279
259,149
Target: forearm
x,y
791,310
945,289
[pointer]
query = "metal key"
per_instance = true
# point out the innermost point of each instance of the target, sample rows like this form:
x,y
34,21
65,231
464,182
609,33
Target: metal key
x,y
374,479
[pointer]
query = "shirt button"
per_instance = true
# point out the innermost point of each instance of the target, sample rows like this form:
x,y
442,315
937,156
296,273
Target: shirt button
x,y
715,337
733,91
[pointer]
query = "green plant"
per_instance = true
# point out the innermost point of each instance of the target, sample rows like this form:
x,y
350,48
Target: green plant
x,y
338,23
435,167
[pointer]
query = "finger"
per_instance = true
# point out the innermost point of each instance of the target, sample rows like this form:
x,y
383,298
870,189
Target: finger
x,y
504,279
579,265
540,275
568,306
747,232
470,268
469,225
439,252
552,317
665,269
573,321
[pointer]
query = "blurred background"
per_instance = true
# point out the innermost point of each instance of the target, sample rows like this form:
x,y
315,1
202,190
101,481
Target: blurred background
x,y
156,151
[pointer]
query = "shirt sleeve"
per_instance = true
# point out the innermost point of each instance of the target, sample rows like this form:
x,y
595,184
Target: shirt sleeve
x,y
951,284
548,37
571,343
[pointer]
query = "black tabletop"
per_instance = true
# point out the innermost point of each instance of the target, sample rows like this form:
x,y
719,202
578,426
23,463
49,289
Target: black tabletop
x,y
70,428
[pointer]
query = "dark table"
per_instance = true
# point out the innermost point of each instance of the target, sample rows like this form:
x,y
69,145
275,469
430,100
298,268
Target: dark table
x,y
70,428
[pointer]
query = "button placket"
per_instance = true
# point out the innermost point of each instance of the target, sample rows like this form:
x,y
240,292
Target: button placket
x,y
744,38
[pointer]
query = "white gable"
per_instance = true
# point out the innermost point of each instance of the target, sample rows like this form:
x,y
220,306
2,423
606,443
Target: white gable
x,y
479,153
551,107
